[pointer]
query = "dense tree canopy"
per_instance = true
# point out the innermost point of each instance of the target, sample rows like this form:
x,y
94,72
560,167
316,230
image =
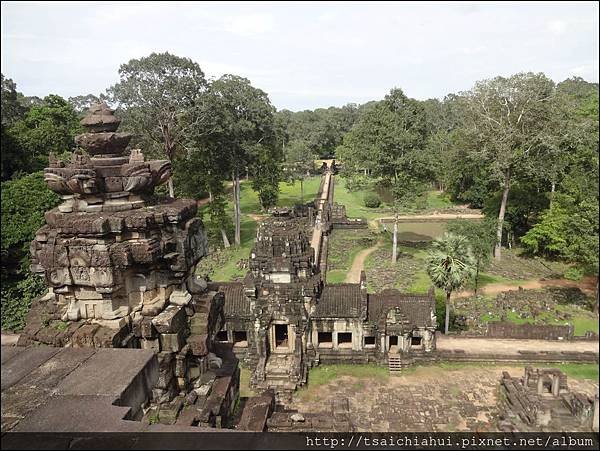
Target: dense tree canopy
x,y
31,131
156,95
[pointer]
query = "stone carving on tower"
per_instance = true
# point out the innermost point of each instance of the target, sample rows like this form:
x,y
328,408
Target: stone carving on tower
x,y
108,252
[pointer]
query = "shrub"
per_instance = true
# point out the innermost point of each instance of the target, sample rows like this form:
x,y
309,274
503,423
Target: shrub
x,y
372,200
24,202
574,273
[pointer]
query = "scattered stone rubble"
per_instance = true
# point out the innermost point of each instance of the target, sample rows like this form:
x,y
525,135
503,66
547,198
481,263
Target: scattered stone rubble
x,y
541,401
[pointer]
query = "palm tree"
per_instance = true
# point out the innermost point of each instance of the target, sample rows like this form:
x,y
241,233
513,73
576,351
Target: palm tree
x,y
450,265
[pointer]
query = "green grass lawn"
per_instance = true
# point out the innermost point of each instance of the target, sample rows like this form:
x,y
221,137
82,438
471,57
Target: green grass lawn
x,y
344,246
336,275
437,200
324,374
354,202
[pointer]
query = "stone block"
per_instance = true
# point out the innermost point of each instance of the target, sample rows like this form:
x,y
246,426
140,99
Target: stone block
x,y
168,412
154,307
180,297
150,344
84,336
147,329
171,320
171,342
198,345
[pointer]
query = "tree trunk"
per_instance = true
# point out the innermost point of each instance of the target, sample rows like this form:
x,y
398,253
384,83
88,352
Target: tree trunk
x,y
552,190
210,196
236,208
498,248
395,240
171,188
447,321
225,239
301,191
596,304
476,277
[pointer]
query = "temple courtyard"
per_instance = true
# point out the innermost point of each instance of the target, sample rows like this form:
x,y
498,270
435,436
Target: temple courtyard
x,y
441,398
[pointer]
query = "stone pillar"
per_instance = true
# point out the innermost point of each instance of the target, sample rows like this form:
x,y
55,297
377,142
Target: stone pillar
x,y
596,415
555,385
427,340
540,384
405,342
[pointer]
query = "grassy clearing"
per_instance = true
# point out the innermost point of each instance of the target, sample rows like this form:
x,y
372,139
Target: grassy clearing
x,y
354,202
336,276
575,370
580,370
324,374
437,200
344,246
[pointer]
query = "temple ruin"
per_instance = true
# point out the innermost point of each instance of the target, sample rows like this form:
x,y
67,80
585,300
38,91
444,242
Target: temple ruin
x,y
120,268
283,319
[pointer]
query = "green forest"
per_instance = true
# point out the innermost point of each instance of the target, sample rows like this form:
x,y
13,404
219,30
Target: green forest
x,y
523,149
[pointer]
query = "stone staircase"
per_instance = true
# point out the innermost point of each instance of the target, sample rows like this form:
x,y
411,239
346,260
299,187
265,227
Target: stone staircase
x,y
398,362
282,374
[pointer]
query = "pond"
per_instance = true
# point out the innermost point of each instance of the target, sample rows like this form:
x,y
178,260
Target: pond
x,y
418,231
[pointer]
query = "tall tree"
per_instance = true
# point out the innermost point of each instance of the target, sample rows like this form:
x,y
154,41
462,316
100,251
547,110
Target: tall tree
x,y
450,266
45,128
387,142
156,95
299,163
505,117
237,119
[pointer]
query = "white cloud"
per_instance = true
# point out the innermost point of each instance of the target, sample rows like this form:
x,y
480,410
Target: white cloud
x,y
249,24
304,55
557,27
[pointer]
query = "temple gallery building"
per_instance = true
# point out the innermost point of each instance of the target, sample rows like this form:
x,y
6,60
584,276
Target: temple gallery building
x,y
282,318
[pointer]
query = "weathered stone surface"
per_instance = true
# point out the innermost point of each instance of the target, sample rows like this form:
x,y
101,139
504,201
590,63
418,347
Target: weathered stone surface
x,y
171,342
20,365
198,345
170,321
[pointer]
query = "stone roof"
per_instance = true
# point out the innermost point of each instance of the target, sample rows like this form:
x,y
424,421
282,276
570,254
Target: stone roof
x,y
236,302
417,308
342,300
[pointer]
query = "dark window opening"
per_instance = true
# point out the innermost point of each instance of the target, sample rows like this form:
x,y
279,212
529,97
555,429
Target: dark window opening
x,y
281,335
240,338
222,336
415,341
393,340
344,339
325,339
370,341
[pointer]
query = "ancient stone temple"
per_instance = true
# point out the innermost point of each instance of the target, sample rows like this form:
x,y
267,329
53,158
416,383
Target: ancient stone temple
x,y
119,264
282,319
541,400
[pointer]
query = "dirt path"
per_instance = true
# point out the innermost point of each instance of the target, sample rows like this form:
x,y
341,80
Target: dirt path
x,y
587,285
444,216
509,346
358,264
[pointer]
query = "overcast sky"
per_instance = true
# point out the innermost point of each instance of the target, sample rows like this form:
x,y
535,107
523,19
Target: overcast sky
x,y
304,55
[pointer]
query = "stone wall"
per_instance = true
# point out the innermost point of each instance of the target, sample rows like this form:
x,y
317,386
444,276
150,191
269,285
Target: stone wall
x,y
497,329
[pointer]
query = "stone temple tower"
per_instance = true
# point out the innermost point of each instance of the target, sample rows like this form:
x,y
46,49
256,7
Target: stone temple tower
x,y
283,285
110,255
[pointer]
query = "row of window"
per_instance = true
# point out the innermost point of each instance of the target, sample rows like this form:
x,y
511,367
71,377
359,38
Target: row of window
x,y
324,339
